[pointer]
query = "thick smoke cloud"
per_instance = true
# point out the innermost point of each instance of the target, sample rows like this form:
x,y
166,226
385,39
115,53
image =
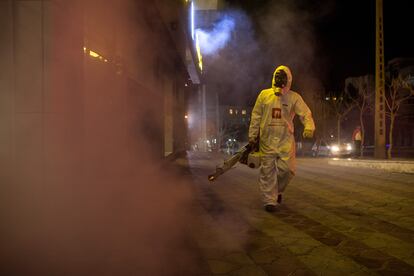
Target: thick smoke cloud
x,y
289,37
235,69
84,189
217,38
281,32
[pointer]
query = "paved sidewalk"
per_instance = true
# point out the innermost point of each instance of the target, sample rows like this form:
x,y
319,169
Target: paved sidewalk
x,y
334,221
400,166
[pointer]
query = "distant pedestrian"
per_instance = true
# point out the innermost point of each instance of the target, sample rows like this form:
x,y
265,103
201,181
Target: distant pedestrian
x,y
357,139
230,145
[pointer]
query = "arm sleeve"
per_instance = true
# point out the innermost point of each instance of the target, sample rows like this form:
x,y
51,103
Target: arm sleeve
x,y
303,111
255,119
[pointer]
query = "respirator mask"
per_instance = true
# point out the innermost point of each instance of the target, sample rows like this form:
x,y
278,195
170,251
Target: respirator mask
x,y
280,81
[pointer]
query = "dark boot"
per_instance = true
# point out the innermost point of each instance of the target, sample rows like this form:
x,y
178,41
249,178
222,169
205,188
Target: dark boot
x,y
270,208
279,198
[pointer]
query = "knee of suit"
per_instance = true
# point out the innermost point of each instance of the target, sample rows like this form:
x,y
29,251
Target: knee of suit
x,y
285,174
285,170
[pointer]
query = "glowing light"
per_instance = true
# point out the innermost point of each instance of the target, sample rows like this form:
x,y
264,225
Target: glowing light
x,y
243,111
192,20
93,54
200,57
230,111
334,148
186,116
218,37
348,147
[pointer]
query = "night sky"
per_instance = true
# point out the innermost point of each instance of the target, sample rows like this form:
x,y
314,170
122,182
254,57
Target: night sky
x,y
345,33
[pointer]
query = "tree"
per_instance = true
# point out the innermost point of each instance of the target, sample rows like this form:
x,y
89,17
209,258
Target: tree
x,y
359,91
340,106
399,90
321,113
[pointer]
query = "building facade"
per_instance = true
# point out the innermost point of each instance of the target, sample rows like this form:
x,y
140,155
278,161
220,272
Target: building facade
x,y
93,99
86,81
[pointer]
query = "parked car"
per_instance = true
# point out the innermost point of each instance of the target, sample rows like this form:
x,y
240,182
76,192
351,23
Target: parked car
x,y
332,149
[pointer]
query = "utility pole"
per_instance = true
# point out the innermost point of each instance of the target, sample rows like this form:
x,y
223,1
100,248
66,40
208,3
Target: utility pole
x,y
379,84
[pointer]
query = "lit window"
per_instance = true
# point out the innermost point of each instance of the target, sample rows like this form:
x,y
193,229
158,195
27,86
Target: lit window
x,y
243,111
230,111
236,111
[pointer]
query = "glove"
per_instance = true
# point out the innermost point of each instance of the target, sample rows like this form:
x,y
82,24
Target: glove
x,y
307,133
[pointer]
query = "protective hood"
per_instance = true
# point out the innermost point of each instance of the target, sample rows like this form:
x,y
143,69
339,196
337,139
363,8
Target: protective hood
x,y
286,88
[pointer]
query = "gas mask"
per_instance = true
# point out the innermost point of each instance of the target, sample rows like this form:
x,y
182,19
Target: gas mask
x,y
280,81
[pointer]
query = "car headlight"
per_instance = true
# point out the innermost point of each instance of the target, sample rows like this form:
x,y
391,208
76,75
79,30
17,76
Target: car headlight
x,y
348,147
334,148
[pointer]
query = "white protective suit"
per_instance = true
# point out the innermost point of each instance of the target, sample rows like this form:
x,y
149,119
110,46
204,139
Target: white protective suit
x,y
272,119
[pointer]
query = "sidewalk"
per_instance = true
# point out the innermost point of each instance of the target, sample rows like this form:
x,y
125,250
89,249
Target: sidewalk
x,y
397,165
336,221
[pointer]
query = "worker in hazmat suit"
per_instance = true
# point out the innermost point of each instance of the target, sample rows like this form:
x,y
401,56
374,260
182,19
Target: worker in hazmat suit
x,y
272,120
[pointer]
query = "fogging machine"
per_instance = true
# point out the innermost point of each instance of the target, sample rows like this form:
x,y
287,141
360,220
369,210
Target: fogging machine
x,y
248,155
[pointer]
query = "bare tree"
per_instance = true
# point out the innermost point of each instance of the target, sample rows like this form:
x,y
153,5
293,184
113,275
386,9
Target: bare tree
x,y
399,91
340,106
359,91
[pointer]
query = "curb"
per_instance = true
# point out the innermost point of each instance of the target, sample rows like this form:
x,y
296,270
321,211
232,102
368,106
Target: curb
x,y
175,155
387,165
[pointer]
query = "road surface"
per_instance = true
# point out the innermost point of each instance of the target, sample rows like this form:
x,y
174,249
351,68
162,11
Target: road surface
x,y
333,221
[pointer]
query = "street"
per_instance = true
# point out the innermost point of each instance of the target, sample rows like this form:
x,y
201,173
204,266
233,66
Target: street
x,y
333,221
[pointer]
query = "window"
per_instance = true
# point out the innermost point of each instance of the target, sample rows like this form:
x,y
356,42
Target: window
x,y
243,111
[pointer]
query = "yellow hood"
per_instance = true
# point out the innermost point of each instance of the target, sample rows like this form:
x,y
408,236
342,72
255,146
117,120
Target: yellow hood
x,y
289,75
